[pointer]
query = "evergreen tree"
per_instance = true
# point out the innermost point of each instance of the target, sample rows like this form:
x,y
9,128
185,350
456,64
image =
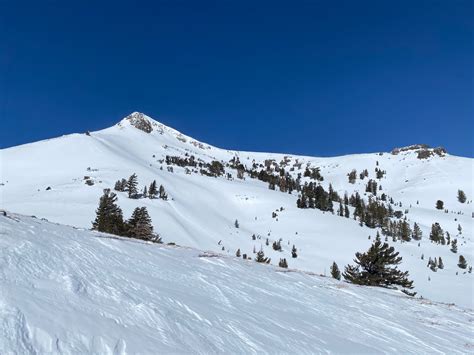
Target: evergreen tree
x,y
417,233
277,245
462,262
346,211
236,224
132,186
352,176
335,273
153,191
109,217
461,196
371,187
145,192
439,205
459,229
139,224
454,246
440,263
405,231
283,263
377,267
294,252
162,193
437,234
120,185
237,253
260,258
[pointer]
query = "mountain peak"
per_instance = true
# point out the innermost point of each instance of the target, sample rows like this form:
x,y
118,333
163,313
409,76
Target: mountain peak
x,y
140,121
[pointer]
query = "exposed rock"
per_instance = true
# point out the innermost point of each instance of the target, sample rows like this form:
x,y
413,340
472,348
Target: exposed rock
x,y
410,147
423,151
139,121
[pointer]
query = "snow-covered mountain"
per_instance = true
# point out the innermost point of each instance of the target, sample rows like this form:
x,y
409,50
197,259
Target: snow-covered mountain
x,y
62,179
71,291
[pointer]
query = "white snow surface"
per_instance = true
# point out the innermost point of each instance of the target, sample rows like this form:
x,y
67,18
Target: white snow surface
x,y
201,210
72,291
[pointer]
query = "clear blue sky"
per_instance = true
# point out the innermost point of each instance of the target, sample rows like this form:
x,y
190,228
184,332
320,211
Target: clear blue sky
x,y
310,77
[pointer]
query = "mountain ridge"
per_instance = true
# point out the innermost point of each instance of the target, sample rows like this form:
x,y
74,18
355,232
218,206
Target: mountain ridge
x,y
161,127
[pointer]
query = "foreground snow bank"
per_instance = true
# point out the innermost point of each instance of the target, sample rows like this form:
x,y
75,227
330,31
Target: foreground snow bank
x,y
64,290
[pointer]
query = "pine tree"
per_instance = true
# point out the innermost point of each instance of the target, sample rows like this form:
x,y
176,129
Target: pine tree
x,y
236,224
139,224
162,193
377,236
454,246
132,186
294,252
377,267
417,233
352,176
237,253
145,192
109,217
462,262
260,258
283,263
152,191
459,229
461,196
439,205
335,273
405,231
440,263
277,245
120,185
346,211
437,234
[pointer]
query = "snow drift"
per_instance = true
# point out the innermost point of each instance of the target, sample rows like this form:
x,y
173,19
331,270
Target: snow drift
x,y
66,290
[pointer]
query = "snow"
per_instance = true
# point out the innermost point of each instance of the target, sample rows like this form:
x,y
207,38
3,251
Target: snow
x,y
68,290
201,210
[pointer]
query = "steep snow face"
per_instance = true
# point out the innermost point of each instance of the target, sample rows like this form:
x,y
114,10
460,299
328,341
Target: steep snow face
x,y
66,290
202,210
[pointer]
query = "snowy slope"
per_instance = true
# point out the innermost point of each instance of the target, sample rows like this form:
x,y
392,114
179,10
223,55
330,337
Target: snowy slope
x,y
202,210
66,290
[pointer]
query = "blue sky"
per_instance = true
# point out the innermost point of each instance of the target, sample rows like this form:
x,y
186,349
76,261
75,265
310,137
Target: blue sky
x,y
311,77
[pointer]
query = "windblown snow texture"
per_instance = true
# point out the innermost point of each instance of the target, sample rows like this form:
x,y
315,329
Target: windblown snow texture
x,y
66,290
